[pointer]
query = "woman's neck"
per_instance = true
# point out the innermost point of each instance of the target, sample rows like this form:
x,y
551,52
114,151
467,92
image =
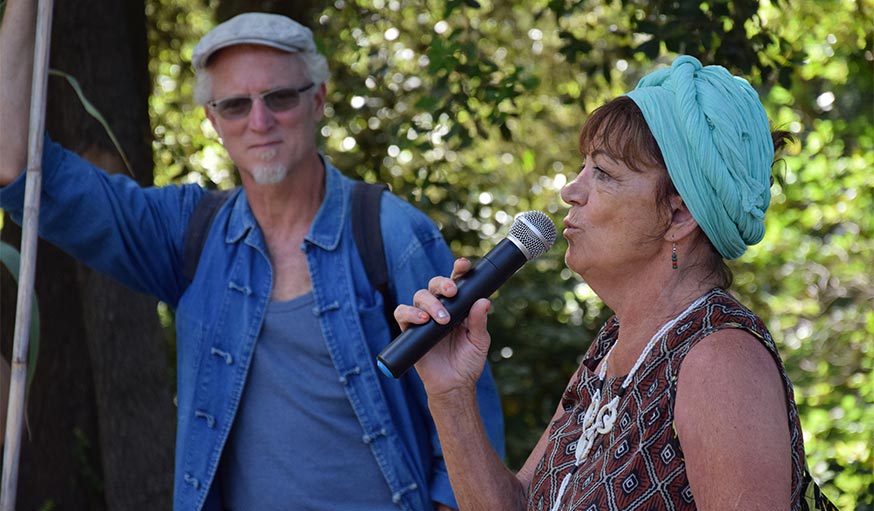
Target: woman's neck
x,y
642,311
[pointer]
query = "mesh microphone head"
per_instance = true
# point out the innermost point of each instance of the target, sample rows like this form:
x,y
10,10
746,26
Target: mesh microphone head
x,y
533,232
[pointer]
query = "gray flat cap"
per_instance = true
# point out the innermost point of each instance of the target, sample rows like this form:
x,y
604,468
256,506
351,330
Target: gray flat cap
x,y
272,30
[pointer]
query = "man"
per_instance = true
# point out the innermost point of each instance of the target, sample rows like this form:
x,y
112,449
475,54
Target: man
x,y
280,405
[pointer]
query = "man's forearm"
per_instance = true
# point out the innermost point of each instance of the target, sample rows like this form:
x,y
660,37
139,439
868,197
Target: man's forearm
x,y
16,74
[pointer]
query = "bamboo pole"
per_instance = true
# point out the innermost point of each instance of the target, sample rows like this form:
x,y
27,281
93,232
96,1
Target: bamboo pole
x,y
30,224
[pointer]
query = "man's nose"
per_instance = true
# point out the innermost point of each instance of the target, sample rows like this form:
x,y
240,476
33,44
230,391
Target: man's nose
x,y
260,117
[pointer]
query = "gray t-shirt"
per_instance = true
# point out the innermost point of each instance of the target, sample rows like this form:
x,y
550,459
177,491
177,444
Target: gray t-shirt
x,y
296,443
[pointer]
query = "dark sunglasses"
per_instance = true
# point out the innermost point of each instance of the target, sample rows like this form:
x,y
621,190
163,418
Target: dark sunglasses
x,y
277,100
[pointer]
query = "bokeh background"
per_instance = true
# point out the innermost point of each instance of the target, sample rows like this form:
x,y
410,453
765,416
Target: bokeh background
x,y
471,111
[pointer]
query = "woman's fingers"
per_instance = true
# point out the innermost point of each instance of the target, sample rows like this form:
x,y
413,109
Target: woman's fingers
x,y
477,324
429,300
460,267
426,302
407,315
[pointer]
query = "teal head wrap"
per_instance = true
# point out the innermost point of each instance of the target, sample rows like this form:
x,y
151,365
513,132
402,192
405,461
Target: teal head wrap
x,y
716,141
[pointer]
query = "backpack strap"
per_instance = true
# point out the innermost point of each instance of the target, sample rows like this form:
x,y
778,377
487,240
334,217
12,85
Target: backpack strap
x,y
367,233
198,229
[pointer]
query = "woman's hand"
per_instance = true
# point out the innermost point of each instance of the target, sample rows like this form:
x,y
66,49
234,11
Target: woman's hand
x,y
457,361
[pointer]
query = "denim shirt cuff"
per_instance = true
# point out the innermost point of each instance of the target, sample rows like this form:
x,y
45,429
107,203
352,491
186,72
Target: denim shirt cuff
x,y
441,491
12,195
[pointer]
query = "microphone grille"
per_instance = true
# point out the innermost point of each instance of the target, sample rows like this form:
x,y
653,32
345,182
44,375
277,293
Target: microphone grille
x,y
534,231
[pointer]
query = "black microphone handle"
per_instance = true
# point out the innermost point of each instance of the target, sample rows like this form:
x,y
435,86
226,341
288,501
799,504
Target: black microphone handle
x,y
480,282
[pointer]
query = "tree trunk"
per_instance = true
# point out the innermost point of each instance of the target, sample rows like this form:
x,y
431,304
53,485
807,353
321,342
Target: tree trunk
x,y
101,411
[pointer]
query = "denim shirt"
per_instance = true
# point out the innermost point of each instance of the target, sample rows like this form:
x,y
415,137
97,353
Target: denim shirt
x,y
135,234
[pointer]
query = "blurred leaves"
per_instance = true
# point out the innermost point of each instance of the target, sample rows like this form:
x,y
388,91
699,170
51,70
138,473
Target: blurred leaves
x,y
471,110
10,259
185,146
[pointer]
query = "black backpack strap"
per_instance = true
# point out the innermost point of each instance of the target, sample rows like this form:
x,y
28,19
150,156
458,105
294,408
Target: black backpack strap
x,y
366,230
198,229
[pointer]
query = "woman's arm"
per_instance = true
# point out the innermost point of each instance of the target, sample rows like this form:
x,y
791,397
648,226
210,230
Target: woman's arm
x,y
732,422
479,478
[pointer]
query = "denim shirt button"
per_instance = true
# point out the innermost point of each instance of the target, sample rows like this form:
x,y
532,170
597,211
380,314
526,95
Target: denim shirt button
x,y
191,480
370,437
397,496
344,378
210,420
222,354
242,288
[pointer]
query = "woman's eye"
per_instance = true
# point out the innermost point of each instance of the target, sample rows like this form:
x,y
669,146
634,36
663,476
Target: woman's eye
x,y
599,173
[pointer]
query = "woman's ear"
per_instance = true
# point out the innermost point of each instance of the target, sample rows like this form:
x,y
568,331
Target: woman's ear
x,y
682,222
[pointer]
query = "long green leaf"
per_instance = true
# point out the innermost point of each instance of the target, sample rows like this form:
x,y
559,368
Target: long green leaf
x,y
11,259
94,113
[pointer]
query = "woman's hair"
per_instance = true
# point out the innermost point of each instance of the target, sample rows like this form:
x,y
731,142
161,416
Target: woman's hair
x,y
619,128
315,68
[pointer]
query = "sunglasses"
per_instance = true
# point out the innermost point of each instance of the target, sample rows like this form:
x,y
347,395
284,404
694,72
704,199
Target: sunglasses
x,y
277,100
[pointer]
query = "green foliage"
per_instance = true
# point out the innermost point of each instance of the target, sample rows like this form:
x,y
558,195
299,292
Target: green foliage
x,y
186,147
471,110
93,112
10,259
85,452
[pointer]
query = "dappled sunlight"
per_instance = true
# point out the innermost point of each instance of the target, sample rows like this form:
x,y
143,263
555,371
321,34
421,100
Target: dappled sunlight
x,y
473,115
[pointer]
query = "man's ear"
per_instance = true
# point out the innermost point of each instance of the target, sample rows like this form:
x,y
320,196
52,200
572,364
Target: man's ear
x,y
319,99
212,120
682,222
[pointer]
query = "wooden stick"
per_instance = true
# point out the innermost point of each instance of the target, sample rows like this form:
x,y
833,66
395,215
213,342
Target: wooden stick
x,y
30,225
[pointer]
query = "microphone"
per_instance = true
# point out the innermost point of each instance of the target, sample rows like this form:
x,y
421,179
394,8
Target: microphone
x,y
531,235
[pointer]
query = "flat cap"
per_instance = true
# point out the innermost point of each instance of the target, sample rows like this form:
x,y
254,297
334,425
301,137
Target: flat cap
x,y
260,28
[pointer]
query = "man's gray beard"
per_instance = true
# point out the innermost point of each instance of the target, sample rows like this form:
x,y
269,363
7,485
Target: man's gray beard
x,y
269,174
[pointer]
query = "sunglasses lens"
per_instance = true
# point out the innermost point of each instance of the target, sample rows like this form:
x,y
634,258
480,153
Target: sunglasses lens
x,y
234,108
278,100
282,99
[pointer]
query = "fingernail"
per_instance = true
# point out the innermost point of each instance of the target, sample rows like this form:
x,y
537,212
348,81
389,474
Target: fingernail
x,y
441,314
423,315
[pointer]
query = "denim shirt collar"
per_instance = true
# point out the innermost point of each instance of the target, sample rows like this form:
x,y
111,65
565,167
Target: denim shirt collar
x,y
327,227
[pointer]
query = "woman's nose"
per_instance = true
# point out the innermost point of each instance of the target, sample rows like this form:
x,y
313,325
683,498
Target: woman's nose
x,y
576,192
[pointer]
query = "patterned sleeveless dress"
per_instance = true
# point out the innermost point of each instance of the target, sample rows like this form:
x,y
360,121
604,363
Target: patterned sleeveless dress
x,y
639,464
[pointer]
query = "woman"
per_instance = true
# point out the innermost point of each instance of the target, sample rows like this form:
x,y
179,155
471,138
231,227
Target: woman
x,y
685,405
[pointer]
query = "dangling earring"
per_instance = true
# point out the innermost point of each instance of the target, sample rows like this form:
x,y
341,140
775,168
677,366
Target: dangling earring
x,y
673,255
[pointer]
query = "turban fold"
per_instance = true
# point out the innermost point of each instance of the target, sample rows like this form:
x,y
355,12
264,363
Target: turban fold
x,y
716,141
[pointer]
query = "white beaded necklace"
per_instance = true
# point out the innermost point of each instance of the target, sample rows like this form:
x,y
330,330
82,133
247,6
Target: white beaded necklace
x,y
599,420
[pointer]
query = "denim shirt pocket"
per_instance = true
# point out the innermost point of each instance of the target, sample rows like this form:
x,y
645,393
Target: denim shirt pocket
x,y
373,318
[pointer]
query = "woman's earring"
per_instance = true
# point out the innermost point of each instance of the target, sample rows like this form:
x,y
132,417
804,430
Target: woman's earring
x,y
673,255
